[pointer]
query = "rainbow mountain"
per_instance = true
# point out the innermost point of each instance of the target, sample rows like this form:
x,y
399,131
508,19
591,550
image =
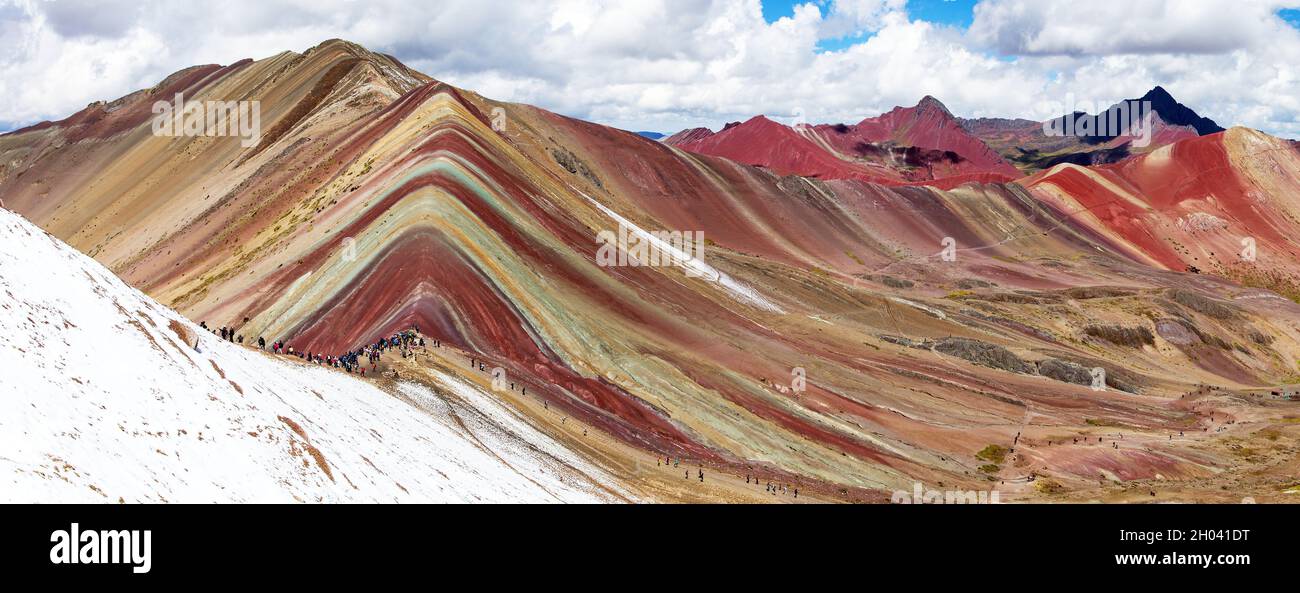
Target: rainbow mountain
x,y
1077,333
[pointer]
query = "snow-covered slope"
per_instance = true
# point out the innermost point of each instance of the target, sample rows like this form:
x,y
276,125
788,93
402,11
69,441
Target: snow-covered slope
x,y
105,397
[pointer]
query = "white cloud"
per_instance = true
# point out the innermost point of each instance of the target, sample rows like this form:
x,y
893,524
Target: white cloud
x,y
849,17
668,64
1105,27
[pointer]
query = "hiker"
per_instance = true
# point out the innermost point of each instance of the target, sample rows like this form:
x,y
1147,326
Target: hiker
x,y
701,476
261,343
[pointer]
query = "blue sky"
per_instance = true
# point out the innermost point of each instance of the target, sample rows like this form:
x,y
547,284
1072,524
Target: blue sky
x,y
1291,15
956,13
948,12
959,13
945,12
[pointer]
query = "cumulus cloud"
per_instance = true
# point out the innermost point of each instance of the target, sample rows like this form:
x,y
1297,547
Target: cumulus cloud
x,y
668,64
852,17
1106,27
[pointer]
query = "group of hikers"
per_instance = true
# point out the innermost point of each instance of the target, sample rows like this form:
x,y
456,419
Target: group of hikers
x,y
226,333
351,361
405,342
774,489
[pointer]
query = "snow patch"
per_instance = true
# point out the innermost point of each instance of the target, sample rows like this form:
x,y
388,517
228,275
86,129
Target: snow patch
x,y
108,396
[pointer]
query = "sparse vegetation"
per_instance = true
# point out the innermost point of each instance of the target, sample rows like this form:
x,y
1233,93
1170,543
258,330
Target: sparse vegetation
x,y
1046,486
1134,337
1273,280
575,165
994,453
1065,371
1020,298
1259,337
1203,304
893,282
970,283
1096,292
1104,422
984,354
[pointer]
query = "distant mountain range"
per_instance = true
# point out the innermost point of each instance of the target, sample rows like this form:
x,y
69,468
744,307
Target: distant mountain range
x,y
926,143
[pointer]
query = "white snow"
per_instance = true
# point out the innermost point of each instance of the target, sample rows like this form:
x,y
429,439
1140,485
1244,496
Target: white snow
x,y
695,265
931,310
101,401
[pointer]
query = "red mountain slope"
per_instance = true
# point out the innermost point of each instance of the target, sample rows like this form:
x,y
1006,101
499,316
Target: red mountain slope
x,y
927,125
922,144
